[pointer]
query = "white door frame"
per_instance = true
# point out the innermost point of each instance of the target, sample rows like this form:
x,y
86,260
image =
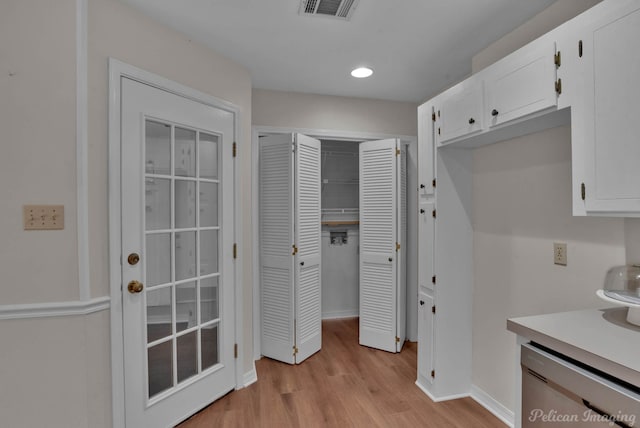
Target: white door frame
x,y
117,70
321,134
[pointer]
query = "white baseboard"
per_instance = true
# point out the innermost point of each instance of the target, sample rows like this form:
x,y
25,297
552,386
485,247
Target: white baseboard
x,y
250,377
351,313
492,405
442,398
54,309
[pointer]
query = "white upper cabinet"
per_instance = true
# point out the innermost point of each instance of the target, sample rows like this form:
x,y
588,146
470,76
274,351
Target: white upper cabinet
x,y
522,83
425,151
459,114
610,65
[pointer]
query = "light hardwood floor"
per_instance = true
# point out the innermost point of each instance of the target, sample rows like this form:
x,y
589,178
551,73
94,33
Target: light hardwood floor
x,y
343,385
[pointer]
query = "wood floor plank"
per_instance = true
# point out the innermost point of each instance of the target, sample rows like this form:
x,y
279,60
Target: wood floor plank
x,y
343,385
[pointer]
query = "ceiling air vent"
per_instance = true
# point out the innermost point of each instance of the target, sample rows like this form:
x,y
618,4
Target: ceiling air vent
x,y
342,9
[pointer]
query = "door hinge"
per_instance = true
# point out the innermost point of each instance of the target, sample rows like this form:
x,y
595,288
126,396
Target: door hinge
x,y
295,350
295,250
583,191
235,350
557,59
433,279
438,130
397,246
235,251
433,183
558,86
397,152
235,149
433,309
433,213
433,116
397,339
433,373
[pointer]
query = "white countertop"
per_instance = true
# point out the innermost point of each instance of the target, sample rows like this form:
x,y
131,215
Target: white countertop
x,y
600,338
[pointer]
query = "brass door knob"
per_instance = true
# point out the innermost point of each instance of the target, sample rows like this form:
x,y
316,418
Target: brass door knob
x,y
135,287
133,259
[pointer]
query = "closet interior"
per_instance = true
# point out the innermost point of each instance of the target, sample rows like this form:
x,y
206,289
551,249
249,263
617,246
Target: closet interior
x,y
340,229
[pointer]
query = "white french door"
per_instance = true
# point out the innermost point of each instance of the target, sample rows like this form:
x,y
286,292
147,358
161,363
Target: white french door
x,y
177,185
382,295
290,264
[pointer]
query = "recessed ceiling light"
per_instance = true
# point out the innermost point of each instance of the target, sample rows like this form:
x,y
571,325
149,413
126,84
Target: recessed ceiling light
x,y
362,72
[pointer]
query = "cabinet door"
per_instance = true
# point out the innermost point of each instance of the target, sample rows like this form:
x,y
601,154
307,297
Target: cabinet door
x,y
426,318
425,150
425,245
523,83
611,61
460,111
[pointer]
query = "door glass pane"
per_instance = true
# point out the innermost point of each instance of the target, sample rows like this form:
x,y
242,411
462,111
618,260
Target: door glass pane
x,y
185,201
209,299
187,355
186,306
158,260
159,304
208,156
208,252
157,203
160,363
208,204
157,148
210,346
185,152
185,255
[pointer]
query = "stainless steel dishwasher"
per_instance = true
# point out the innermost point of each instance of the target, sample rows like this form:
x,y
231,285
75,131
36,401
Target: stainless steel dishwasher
x,y
560,392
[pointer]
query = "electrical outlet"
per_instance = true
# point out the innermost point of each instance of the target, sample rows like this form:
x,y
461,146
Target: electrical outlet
x,y
43,217
560,253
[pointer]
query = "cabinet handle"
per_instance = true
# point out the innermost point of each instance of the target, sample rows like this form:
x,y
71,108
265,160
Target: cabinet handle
x,y
390,259
472,121
301,263
421,210
421,302
494,112
422,186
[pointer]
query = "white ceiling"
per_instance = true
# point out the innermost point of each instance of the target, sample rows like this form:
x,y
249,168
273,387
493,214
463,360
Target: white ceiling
x,y
416,48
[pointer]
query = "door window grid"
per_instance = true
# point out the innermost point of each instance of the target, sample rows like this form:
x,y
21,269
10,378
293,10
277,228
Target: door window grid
x,y
211,325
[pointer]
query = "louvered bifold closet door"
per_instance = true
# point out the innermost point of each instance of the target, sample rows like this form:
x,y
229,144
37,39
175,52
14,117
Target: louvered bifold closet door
x,y
308,240
378,236
276,251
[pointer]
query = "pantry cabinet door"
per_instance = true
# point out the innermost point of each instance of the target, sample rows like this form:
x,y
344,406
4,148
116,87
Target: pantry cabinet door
x,y
308,268
379,165
426,119
276,247
426,332
611,61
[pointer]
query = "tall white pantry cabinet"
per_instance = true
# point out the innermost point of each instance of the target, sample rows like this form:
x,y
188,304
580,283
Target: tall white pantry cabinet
x,y
584,73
